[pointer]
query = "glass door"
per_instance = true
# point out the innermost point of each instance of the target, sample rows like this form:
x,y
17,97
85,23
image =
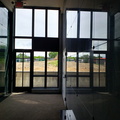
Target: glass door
x,y
22,70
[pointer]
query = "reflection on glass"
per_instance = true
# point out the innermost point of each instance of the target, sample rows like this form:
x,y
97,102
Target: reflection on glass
x,y
84,63
2,79
71,24
96,70
23,22
102,70
39,63
99,25
39,23
117,25
38,82
99,45
53,22
23,43
52,81
52,63
84,24
84,82
3,48
71,63
3,21
99,67
102,79
71,82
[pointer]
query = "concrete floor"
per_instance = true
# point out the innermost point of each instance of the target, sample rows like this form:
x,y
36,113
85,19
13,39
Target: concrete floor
x,y
22,106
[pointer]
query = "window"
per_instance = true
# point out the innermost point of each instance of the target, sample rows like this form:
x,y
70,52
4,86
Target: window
x,y
71,24
98,45
22,69
71,63
39,63
23,43
84,63
3,49
23,25
39,23
3,21
99,69
52,63
99,29
85,24
84,82
53,22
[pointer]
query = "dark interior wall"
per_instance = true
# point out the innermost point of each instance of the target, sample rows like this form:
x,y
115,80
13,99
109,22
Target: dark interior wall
x,y
116,57
117,25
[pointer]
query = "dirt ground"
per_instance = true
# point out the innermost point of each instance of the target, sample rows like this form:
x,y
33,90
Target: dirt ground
x,y
71,67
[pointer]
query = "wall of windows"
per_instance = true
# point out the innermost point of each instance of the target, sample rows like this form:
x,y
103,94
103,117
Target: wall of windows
x,y
86,37
3,49
37,34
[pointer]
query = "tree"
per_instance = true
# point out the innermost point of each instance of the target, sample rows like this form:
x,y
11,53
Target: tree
x,y
53,54
85,58
21,56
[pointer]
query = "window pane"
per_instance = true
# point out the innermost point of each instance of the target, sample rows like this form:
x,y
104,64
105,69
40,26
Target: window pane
x,y
26,62
26,69
19,61
26,79
117,25
71,82
96,70
99,25
84,63
71,24
39,23
3,49
18,79
3,21
99,45
71,63
52,81
23,25
84,24
102,70
38,82
39,63
23,43
53,22
52,63
84,82
19,68
99,68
